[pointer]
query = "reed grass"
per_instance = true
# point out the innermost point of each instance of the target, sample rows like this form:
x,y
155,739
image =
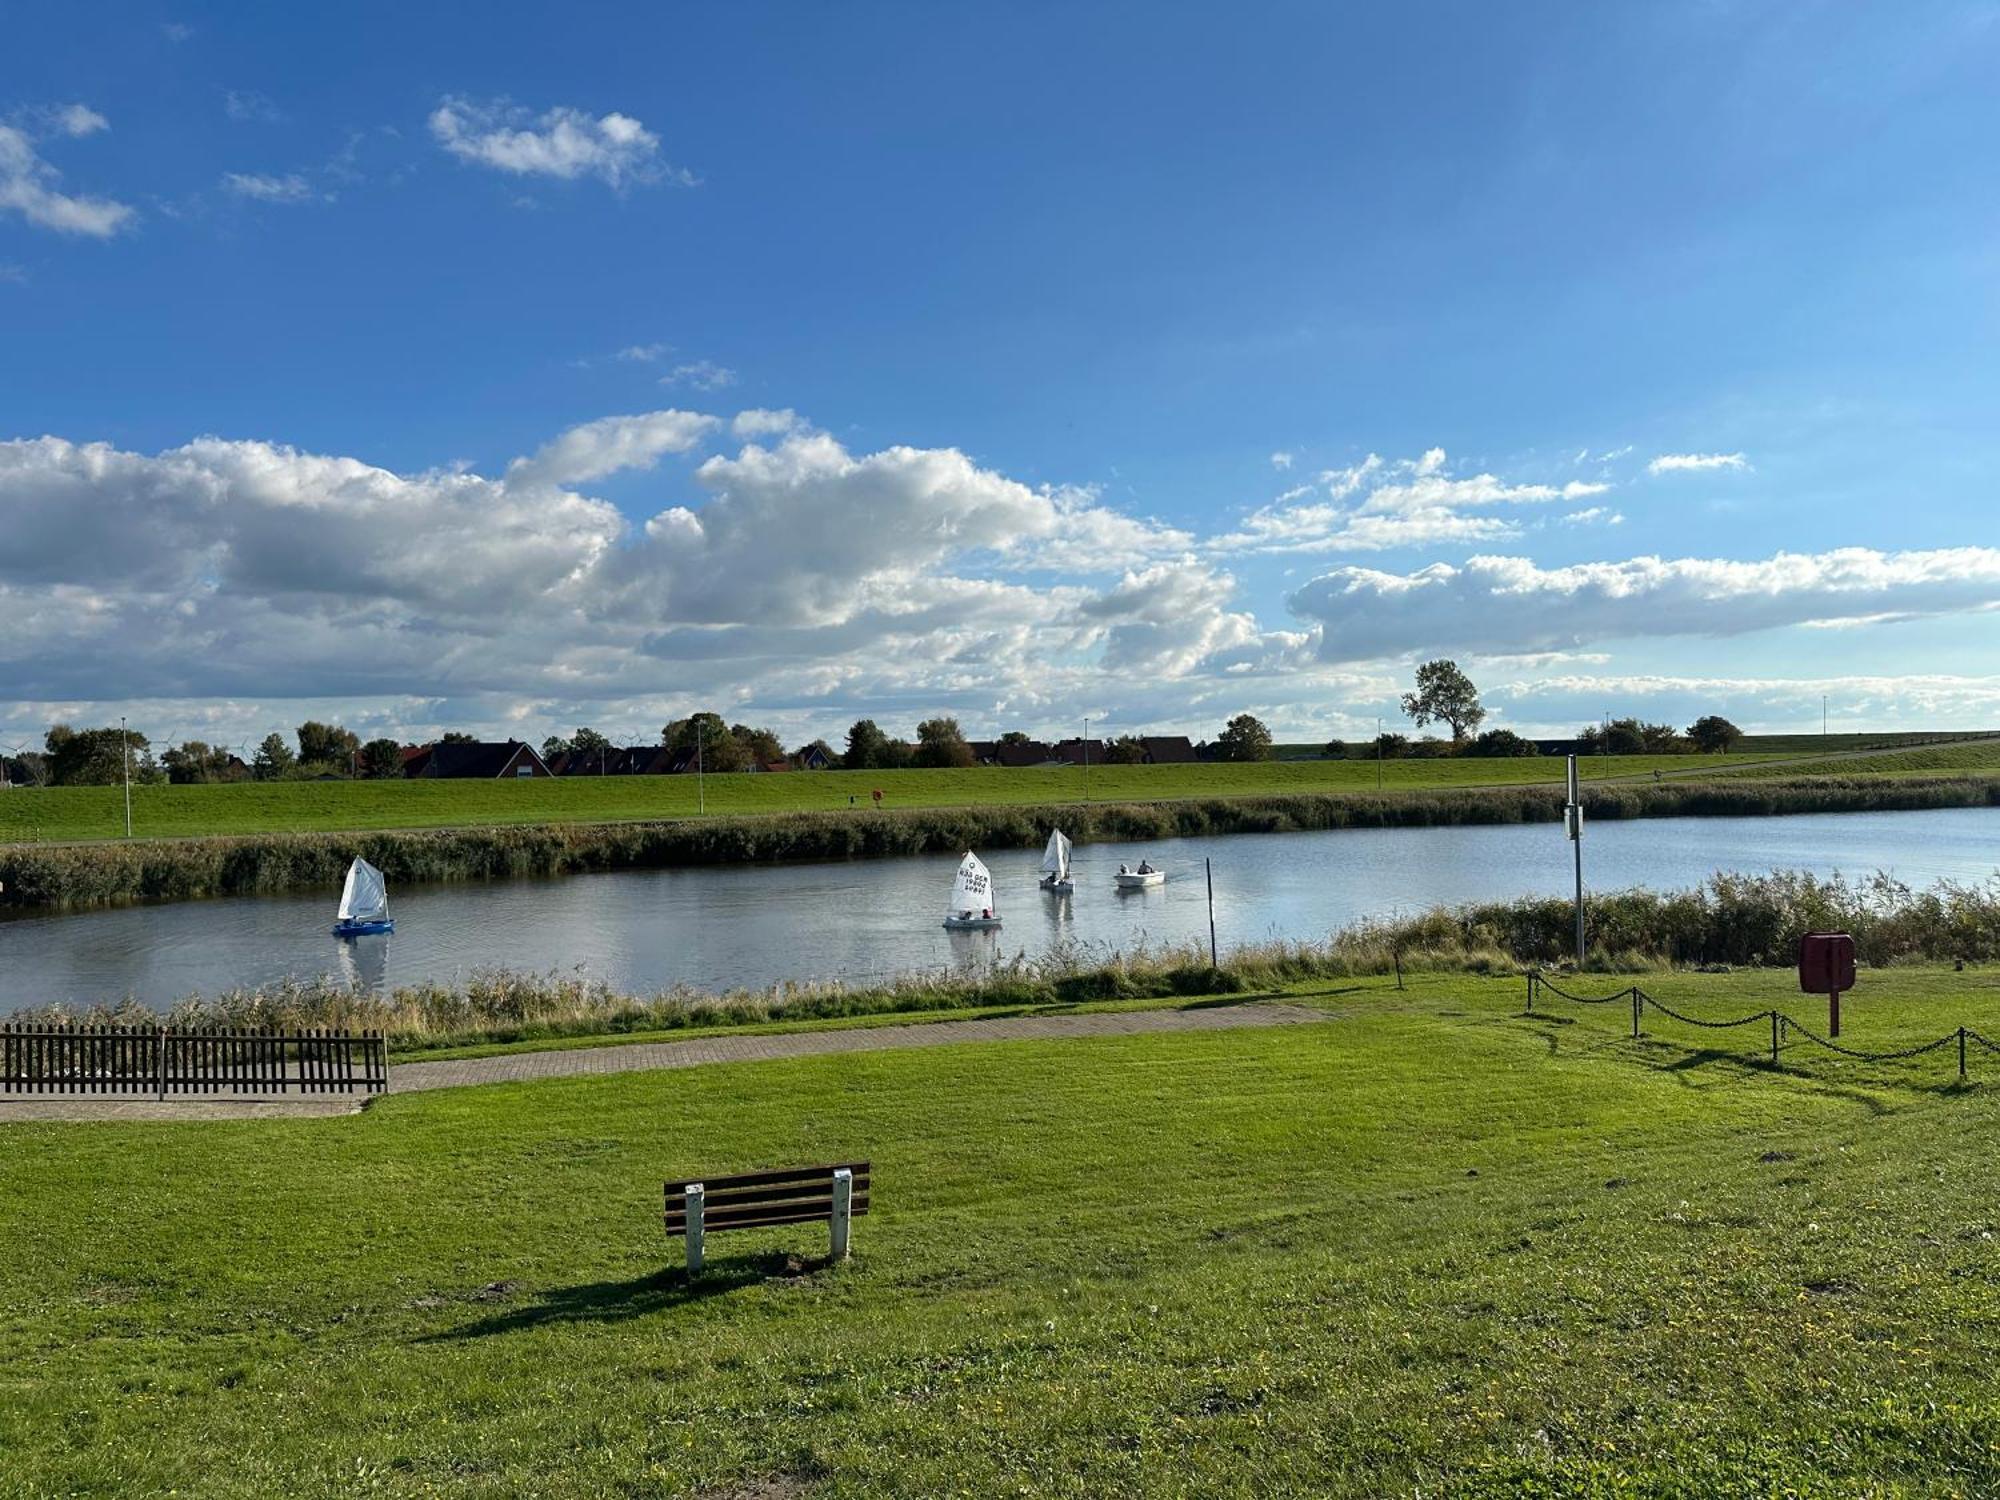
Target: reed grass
x,y
1735,920
80,875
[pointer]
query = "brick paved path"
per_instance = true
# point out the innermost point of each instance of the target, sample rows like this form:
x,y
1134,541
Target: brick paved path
x,y
520,1067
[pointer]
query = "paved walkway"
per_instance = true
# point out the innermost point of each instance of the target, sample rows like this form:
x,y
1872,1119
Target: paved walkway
x,y
524,1067
637,1057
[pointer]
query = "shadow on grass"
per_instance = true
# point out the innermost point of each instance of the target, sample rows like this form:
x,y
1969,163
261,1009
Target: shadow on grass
x,y
622,1301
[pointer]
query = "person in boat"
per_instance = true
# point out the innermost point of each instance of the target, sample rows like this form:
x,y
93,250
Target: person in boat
x,y
1145,868
1123,871
987,915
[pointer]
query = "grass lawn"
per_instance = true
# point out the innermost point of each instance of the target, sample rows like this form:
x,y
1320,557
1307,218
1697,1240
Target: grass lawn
x,y
29,814
1431,1247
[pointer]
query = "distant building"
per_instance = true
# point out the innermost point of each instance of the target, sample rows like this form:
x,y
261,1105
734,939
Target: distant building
x,y
812,758
614,760
1168,750
480,761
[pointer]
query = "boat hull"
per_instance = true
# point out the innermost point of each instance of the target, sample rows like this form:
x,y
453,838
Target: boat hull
x,y
972,924
1059,887
1137,882
364,929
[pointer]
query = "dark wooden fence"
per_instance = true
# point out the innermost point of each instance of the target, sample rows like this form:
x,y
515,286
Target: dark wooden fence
x,y
165,1063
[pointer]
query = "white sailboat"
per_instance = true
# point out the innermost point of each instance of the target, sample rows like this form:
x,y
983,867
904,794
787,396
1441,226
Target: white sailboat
x,y
1140,877
364,903
971,906
1055,865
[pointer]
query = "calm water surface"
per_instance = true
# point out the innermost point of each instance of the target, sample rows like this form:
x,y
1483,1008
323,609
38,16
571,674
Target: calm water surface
x,y
723,928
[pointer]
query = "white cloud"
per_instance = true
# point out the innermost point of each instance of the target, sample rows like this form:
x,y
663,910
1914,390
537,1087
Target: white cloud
x,y
594,449
175,31
561,142
643,353
1281,459
79,119
701,375
27,182
1592,516
290,188
1676,463
764,422
1412,502
248,105
1504,605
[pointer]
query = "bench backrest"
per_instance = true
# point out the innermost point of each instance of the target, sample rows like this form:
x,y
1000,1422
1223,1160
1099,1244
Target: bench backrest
x,y
752,1200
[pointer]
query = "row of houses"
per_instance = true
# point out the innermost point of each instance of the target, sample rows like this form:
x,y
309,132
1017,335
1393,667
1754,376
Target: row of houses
x,y
499,759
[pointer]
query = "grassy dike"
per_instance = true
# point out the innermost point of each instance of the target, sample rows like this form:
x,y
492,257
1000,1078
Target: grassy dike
x,y
36,875
1432,1246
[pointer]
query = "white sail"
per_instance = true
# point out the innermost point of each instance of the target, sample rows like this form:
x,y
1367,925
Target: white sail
x,y
365,897
971,889
1055,858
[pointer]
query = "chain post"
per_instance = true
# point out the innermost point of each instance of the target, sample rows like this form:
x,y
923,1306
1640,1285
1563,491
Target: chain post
x,y
1638,1004
1774,1039
1531,992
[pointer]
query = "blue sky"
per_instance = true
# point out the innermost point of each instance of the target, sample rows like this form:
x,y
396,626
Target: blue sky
x,y
1153,362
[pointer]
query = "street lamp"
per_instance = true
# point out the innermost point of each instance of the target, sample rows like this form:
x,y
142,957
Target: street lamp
x,y
1086,757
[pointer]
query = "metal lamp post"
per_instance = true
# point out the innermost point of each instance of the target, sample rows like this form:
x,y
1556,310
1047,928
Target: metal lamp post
x,y
125,747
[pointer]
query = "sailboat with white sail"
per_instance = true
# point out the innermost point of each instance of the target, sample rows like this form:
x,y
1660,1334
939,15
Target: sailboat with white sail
x,y
364,903
971,908
1055,865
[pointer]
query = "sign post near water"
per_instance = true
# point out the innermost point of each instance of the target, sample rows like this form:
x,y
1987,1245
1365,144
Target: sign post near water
x,y
1573,826
1826,967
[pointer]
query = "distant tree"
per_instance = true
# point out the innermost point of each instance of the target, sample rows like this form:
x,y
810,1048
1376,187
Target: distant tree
x,y
707,735
457,737
555,745
1126,750
1389,746
867,746
586,739
1016,737
274,758
97,757
1444,695
1244,738
196,761
1501,743
381,759
941,744
760,746
1430,747
1622,737
29,768
1334,750
327,745
1713,735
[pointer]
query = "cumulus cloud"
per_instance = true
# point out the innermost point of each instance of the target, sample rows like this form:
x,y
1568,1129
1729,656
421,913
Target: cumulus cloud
x,y
27,182
799,571
246,106
1679,463
290,188
1593,515
1374,505
1505,605
593,449
1281,459
562,142
765,422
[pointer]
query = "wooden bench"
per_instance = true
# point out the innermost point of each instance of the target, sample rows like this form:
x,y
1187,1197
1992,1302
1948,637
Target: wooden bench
x,y
757,1200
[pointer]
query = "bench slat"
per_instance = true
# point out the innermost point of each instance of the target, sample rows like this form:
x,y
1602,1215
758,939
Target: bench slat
x,y
772,1178
752,1215
728,1197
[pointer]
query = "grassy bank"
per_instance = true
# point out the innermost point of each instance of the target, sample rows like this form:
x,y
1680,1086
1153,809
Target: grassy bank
x,y
1431,1247
62,813
1732,920
95,874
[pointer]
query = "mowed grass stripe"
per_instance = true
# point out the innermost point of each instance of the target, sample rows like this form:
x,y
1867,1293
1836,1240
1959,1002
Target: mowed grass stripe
x,y
1431,1243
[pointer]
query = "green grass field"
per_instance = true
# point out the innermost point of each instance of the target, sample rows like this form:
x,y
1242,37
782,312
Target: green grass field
x,y
1432,1247
32,814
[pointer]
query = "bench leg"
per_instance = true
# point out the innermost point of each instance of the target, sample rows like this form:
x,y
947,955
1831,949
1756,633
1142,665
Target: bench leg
x,y
695,1197
843,1212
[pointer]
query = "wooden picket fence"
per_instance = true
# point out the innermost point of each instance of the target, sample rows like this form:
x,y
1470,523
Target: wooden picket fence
x,y
168,1063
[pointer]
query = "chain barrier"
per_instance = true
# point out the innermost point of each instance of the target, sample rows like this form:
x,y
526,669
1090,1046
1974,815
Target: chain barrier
x,y
1782,1026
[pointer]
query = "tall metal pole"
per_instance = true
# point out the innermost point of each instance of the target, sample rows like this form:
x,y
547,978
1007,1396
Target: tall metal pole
x,y
125,745
1573,818
1822,715
1208,869
1086,757
1378,752
700,786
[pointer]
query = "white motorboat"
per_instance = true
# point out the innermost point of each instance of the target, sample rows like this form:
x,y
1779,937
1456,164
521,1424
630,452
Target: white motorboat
x,y
1140,877
971,908
1055,865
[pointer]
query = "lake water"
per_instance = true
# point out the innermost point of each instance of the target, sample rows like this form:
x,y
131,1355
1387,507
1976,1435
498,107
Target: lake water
x,y
753,926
